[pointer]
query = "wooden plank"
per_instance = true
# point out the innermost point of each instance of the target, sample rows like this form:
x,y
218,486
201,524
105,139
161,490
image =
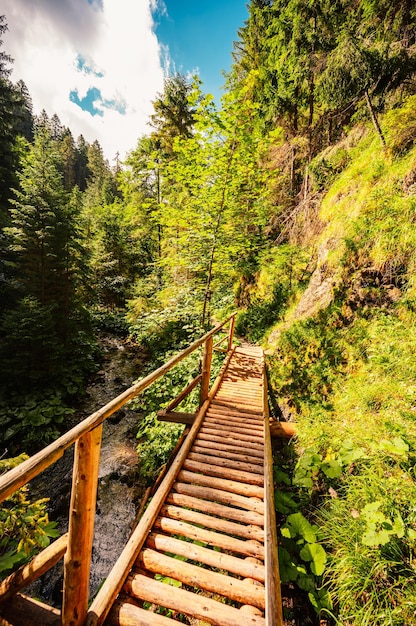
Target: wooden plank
x,y
21,610
189,574
40,564
114,582
176,527
213,523
125,613
210,469
204,448
274,607
234,422
234,433
231,333
232,441
219,405
242,489
176,417
77,560
217,460
255,419
214,508
282,429
217,495
183,601
241,388
252,394
206,370
183,394
23,473
213,558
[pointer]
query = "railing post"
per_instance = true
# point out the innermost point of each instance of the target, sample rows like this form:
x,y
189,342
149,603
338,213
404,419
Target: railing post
x,y
231,333
206,370
81,528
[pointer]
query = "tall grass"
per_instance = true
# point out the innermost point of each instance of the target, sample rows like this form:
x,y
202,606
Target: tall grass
x,y
349,376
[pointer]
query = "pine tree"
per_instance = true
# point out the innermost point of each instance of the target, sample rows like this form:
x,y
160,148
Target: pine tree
x,y
45,250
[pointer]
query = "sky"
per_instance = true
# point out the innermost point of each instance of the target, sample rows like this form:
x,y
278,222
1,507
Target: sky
x,y
99,64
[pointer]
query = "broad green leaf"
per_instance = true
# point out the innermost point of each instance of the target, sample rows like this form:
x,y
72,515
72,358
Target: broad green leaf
x,y
397,447
287,567
332,468
398,526
375,537
284,502
299,526
315,553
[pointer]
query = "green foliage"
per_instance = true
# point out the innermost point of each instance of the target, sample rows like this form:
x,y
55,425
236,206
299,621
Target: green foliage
x,y
157,439
302,559
308,358
24,524
281,272
33,421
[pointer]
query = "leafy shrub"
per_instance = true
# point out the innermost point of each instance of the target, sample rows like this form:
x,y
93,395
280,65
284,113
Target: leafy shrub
x,y
157,439
111,322
24,525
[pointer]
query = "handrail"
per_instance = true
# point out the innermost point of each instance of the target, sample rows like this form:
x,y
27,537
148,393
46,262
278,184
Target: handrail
x,y
23,473
87,437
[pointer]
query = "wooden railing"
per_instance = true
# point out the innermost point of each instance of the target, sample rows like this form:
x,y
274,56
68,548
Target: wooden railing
x,y
76,545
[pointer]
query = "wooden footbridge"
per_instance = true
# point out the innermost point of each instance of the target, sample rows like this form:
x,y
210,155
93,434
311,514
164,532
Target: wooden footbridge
x,y
205,549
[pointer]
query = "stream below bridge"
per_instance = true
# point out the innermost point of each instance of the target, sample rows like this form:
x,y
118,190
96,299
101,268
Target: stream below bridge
x,y
119,485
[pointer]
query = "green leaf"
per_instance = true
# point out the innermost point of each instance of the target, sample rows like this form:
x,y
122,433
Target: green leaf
x,y
287,567
284,502
374,537
298,525
315,553
281,477
398,526
397,447
331,468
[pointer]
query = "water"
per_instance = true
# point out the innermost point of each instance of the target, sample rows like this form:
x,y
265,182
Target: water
x,y
119,486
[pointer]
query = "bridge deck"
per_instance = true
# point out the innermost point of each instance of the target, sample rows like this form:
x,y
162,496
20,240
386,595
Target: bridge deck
x,y
204,556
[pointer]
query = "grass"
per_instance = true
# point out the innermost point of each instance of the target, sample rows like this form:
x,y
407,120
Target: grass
x,y
349,375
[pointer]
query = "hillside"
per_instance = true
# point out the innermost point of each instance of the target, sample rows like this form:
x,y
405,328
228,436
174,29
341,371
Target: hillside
x,y
339,302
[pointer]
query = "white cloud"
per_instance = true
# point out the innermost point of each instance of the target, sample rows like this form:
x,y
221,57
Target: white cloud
x,y
49,40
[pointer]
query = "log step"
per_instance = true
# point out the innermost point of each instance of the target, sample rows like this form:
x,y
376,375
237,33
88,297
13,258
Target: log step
x,y
183,601
204,556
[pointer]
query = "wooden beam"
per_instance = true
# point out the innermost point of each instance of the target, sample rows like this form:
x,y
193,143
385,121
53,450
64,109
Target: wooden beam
x,y
282,429
185,392
81,528
206,370
190,574
219,614
40,564
218,560
114,582
213,523
176,417
21,610
250,547
274,606
214,508
126,613
231,332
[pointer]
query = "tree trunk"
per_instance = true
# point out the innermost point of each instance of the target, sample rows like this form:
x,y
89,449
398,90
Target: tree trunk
x,y
374,119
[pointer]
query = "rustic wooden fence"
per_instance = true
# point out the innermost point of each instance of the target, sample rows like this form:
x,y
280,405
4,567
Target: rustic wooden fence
x,y
76,545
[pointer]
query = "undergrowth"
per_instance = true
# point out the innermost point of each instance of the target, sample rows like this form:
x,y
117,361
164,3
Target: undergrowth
x,y
347,374
157,439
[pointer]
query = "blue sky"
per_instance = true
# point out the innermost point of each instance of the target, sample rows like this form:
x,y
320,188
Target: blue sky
x,y
99,64
200,35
